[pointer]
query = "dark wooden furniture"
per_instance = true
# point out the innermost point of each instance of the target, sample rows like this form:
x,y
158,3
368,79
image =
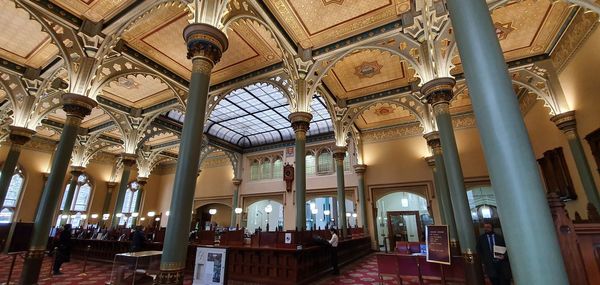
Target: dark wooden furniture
x,y
556,174
593,139
405,267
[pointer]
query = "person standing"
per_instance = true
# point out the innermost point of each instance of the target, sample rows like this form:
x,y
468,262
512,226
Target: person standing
x,y
496,266
63,254
138,240
334,244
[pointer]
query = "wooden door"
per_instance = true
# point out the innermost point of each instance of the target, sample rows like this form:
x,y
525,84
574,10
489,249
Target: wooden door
x,y
404,226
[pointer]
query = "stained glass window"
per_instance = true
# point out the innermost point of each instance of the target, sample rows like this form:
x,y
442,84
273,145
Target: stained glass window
x,y
129,202
310,164
266,169
79,204
278,168
15,188
325,164
255,170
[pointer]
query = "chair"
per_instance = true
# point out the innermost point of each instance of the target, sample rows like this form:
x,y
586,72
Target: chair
x,y
415,247
430,271
455,273
387,265
402,247
407,267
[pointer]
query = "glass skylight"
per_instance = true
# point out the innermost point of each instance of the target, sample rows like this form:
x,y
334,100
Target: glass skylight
x,y
257,115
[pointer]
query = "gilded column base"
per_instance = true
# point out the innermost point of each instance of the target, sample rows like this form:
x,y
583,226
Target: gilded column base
x,y
170,277
32,266
473,268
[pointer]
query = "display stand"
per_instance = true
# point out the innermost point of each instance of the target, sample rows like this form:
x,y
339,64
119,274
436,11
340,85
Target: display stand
x,y
135,268
209,268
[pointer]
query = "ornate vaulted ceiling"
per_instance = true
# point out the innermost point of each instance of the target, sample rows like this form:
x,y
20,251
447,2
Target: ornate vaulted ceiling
x,y
316,23
347,34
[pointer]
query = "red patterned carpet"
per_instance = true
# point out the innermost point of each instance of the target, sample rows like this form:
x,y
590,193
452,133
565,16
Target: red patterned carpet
x,y
96,273
361,272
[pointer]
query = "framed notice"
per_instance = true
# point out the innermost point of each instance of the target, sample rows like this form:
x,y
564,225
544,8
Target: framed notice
x,y
209,268
438,244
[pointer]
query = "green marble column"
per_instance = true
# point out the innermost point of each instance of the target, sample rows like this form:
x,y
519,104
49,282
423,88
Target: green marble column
x,y
128,161
526,220
76,107
18,137
110,187
75,172
339,153
234,202
360,169
205,45
568,125
439,93
142,181
441,186
300,123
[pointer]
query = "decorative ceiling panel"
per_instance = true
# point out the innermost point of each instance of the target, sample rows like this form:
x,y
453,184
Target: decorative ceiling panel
x,y
383,114
367,72
137,91
162,138
315,23
527,28
22,39
47,133
97,117
159,36
93,10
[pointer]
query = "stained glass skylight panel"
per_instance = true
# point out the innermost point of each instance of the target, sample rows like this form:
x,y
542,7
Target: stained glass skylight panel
x,y
256,115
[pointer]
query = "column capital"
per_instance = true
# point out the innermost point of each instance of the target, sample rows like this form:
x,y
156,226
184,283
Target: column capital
x,y
439,90
19,135
77,170
430,160
565,122
339,152
360,168
111,186
300,121
128,159
77,105
236,181
204,41
433,141
142,181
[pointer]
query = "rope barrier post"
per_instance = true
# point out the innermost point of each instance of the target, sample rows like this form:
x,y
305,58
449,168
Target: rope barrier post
x,y
87,253
12,266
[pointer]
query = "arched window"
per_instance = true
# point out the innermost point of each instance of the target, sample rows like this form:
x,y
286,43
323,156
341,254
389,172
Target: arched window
x,y
75,214
278,168
310,164
129,202
347,162
15,188
265,167
255,170
325,165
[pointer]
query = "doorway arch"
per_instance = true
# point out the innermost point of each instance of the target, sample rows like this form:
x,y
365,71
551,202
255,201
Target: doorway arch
x,y
262,213
202,217
392,206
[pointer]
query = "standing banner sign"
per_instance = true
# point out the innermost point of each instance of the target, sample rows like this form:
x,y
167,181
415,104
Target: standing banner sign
x,y
210,266
438,244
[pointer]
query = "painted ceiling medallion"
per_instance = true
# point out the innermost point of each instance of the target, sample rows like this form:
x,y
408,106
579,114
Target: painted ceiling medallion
x,y
368,69
327,2
128,83
384,111
502,30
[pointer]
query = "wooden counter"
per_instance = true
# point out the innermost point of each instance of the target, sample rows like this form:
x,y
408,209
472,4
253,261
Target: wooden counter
x,y
250,264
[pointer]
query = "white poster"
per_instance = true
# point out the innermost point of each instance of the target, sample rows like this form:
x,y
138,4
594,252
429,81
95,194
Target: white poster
x,y
288,238
210,266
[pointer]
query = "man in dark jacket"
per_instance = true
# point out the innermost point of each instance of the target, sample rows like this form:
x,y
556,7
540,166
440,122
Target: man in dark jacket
x,y
63,254
496,266
138,241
